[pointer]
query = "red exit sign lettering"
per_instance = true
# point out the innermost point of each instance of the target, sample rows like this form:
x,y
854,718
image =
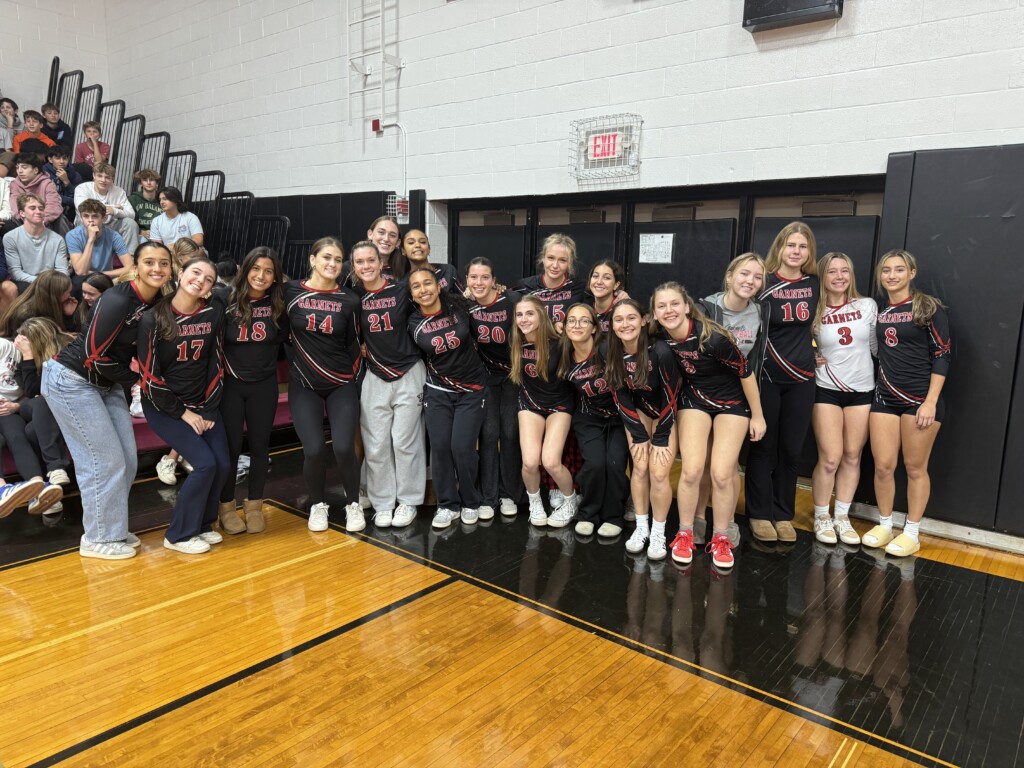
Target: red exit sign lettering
x,y
604,146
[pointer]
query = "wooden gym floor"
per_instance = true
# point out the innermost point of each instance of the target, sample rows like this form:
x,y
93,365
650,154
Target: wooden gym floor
x,y
497,645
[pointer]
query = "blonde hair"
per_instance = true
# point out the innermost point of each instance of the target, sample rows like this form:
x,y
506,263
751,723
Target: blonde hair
x,y
545,332
738,262
849,294
923,306
559,239
44,337
774,260
693,308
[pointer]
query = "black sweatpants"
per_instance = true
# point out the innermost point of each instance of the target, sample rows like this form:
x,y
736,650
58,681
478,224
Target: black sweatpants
x,y
43,432
342,407
453,424
12,428
770,488
248,409
602,477
501,464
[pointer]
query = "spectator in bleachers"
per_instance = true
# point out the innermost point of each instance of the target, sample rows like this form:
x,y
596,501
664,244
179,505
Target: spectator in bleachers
x,y
226,270
93,247
33,130
7,220
64,177
30,179
48,296
91,151
32,249
145,202
92,288
10,123
120,214
176,221
59,131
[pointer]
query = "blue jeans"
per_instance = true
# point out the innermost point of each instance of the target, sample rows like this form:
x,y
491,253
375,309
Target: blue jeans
x,y
98,431
195,510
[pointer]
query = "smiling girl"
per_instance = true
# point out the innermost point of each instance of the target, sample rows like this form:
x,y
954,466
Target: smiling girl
x,y
556,286
416,250
606,280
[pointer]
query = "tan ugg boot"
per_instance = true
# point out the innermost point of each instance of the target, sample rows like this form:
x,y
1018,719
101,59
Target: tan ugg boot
x,y
230,522
254,521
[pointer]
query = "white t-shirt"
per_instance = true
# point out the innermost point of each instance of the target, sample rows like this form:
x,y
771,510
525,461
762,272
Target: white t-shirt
x,y
846,339
185,224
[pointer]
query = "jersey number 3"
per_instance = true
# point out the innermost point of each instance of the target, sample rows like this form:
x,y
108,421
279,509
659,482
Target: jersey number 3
x,y
845,337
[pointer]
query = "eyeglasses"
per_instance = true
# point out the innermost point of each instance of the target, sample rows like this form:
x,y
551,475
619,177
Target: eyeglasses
x,y
578,322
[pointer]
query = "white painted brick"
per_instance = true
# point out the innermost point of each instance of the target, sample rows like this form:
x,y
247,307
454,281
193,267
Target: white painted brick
x,y
756,133
666,51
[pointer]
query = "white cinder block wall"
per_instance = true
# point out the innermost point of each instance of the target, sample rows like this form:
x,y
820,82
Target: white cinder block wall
x,y
32,32
259,88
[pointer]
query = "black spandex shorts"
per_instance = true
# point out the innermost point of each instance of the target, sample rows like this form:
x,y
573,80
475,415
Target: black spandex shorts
x,y
524,405
732,410
908,410
842,399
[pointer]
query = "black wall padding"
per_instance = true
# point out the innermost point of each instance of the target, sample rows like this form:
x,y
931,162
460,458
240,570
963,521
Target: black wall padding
x,y
1010,506
853,235
343,215
701,250
963,226
503,245
594,242
899,180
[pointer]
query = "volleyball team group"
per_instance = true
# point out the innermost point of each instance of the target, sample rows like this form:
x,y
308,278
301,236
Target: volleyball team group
x,y
558,383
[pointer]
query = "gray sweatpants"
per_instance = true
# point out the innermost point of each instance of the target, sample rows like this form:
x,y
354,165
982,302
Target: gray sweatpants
x,y
392,426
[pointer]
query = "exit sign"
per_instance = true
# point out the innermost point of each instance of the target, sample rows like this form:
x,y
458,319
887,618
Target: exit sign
x,y
604,146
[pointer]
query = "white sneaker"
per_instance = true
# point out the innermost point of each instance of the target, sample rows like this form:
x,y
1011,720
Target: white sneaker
x,y
635,543
52,516
537,514
486,512
823,530
50,495
318,516
211,537
470,516
364,500
847,534
656,549
556,498
608,530
193,546
383,518
584,527
165,470
135,409
562,515
443,518
58,477
107,550
355,520
404,515
507,507
133,541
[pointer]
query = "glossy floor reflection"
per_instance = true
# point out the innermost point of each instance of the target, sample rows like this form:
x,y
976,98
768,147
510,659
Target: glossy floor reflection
x,y
918,653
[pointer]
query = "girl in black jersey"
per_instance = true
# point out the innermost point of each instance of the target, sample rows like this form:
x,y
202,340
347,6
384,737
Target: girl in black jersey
x,y
492,316
720,397
556,287
182,385
253,333
545,410
322,320
645,378
605,284
454,396
391,401
416,252
787,383
602,440
83,386
913,360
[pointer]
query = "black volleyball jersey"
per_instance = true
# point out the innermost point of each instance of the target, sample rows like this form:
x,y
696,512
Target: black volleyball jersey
x,y
604,320
447,278
185,372
251,350
712,375
656,399
102,352
593,395
536,394
492,327
909,354
791,306
322,328
384,324
453,364
556,300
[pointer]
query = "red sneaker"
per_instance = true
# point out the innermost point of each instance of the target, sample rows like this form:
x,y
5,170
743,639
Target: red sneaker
x,y
682,548
721,551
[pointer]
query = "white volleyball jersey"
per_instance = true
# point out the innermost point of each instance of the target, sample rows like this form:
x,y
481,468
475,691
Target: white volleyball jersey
x,y
846,339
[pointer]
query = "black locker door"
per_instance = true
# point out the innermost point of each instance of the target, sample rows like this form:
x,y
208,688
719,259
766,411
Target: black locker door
x,y
853,235
701,250
594,242
503,245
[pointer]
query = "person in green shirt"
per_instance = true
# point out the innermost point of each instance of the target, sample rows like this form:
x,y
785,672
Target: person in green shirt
x,y
145,203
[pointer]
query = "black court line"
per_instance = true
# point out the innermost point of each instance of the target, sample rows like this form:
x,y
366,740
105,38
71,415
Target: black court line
x,y
846,729
218,685
65,551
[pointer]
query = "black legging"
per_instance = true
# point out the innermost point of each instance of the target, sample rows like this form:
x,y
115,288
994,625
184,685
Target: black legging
x,y
42,430
501,464
602,477
770,488
453,424
12,427
247,410
342,406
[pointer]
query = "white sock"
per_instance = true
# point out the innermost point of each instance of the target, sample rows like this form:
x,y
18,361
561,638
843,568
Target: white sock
x,y
843,508
821,511
657,527
641,523
912,530
571,498
886,522
533,496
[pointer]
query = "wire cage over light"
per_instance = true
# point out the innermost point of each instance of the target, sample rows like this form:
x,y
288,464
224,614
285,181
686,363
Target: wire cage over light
x,y
605,147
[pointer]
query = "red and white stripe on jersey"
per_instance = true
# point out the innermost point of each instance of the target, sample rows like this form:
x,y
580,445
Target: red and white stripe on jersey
x,y
846,340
